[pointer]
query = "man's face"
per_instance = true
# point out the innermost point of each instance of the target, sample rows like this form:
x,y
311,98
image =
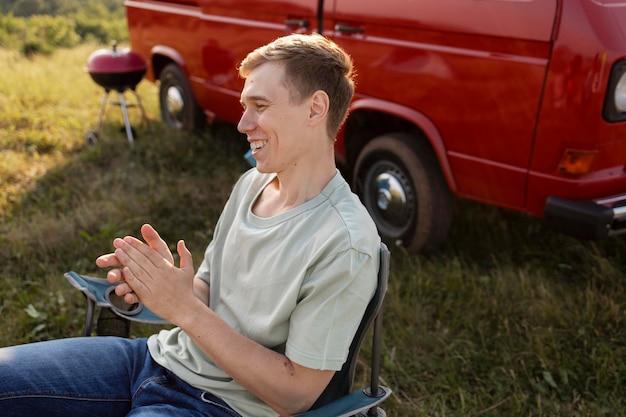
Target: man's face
x,y
276,128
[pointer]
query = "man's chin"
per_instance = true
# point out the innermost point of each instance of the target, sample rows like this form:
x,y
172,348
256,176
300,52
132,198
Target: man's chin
x,y
263,168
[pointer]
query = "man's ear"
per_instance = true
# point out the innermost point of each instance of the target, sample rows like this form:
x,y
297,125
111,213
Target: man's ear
x,y
318,109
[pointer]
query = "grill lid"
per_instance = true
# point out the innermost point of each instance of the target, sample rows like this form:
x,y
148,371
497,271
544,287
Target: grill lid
x,y
114,60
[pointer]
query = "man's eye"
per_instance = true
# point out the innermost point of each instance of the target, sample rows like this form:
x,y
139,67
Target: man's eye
x,y
261,107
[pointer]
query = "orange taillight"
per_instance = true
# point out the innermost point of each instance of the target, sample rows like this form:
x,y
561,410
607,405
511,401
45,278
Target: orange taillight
x,y
577,162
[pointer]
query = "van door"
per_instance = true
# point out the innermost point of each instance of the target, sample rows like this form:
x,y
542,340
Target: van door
x,y
475,69
233,28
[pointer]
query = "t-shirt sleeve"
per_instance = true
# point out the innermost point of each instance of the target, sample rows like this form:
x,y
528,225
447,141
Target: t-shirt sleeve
x,y
333,300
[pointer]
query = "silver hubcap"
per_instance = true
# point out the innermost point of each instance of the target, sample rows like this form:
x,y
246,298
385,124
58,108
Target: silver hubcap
x,y
391,198
175,103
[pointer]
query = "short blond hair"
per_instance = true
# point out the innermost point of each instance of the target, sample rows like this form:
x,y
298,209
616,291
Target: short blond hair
x,y
312,62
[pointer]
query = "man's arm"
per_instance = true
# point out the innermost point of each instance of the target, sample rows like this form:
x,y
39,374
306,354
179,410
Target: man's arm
x,y
285,386
202,290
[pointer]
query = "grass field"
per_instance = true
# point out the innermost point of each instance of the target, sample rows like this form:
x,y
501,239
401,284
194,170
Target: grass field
x,y
507,319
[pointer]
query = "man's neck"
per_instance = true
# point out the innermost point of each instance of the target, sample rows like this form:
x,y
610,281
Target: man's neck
x,y
291,189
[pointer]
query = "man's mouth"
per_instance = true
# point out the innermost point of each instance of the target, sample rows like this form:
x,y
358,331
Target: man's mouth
x,y
258,144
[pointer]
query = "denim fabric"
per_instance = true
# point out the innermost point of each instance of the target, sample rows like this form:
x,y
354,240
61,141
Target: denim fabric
x,y
99,377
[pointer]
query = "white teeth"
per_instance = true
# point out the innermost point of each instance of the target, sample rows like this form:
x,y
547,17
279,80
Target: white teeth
x,y
257,144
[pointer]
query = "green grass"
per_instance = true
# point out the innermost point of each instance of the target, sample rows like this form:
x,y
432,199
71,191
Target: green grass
x,y
507,319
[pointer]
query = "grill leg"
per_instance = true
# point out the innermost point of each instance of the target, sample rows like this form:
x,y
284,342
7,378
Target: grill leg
x,y
103,106
129,131
143,112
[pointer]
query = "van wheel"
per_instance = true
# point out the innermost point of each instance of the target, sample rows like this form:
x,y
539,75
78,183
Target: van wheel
x,y
179,108
398,179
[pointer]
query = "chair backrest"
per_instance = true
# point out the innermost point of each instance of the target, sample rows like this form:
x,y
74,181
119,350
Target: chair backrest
x,y
341,383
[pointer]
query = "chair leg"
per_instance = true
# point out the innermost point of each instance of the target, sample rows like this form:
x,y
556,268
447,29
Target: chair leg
x,y
375,373
110,324
91,306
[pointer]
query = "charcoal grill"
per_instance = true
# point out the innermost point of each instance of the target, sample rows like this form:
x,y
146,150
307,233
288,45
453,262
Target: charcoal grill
x,y
116,70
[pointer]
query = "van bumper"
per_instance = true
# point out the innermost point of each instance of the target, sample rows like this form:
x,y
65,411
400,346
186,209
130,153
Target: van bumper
x,y
592,220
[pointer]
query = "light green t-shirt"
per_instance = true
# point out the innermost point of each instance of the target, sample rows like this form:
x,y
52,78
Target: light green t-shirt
x,y
297,283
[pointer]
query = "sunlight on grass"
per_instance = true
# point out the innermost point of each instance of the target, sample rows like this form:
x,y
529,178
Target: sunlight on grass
x,y
48,103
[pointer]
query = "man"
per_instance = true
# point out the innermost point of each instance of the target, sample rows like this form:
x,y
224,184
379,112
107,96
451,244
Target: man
x,y
269,316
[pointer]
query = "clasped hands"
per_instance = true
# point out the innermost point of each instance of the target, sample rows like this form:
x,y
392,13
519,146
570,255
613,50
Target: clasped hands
x,y
146,273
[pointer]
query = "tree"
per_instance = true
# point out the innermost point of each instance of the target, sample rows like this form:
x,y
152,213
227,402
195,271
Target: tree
x,y
24,8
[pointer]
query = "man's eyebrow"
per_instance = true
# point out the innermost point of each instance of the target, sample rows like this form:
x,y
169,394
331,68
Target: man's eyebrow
x,y
253,98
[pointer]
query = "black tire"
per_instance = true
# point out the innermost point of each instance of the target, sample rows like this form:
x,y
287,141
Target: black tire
x,y
179,108
399,180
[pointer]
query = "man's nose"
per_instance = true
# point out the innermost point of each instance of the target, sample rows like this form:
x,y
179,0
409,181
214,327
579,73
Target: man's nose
x,y
246,123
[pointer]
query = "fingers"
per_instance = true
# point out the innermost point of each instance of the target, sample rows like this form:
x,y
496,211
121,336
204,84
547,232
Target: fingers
x,y
154,240
132,249
130,257
186,261
143,266
138,267
131,298
142,270
107,261
114,276
123,290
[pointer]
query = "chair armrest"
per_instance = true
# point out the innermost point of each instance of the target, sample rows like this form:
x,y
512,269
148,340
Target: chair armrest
x,y
99,290
351,404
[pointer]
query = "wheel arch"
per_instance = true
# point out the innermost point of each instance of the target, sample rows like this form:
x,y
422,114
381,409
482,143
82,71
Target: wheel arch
x,y
162,55
371,117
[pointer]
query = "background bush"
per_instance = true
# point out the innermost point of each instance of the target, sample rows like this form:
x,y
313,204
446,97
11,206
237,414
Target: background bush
x,y
38,26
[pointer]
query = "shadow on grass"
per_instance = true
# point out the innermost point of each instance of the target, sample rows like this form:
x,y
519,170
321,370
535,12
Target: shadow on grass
x,y
178,182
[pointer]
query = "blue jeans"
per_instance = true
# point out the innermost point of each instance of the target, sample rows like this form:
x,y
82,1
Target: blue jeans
x,y
96,376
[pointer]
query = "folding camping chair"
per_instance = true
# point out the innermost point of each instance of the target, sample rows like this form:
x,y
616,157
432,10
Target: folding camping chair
x,y
337,400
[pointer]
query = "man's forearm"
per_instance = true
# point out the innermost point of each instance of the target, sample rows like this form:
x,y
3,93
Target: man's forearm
x,y
285,386
202,290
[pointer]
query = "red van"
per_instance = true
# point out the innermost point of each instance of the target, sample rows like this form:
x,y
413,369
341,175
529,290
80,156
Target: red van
x,y
514,103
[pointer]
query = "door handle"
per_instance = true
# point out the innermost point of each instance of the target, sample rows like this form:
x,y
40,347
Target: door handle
x,y
297,23
348,29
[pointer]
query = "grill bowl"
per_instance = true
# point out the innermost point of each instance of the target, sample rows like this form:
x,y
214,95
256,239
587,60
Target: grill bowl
x,y
116,69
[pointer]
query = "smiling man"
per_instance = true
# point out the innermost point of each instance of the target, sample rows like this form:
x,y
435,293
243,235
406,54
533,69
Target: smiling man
x,y
268,317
